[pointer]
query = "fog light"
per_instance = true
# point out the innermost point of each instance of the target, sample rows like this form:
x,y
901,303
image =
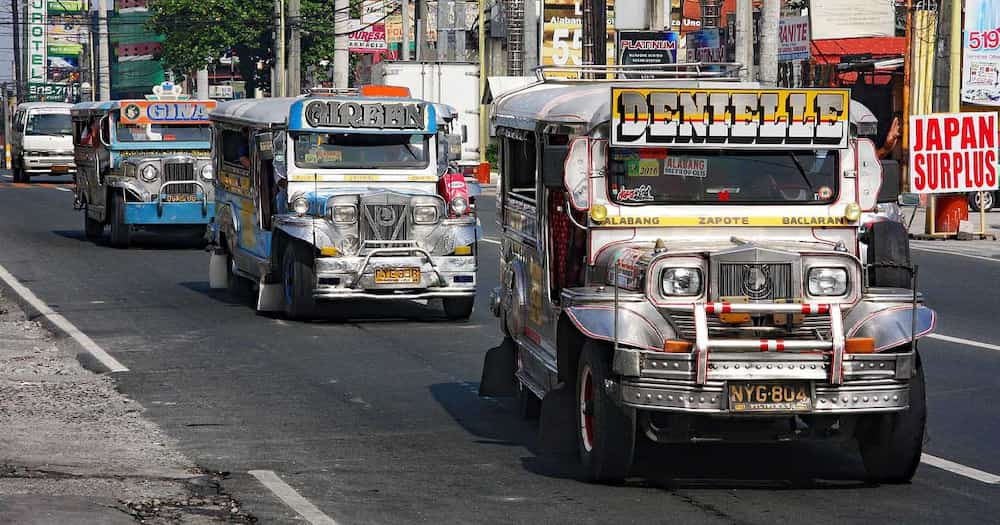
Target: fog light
x,y
598,213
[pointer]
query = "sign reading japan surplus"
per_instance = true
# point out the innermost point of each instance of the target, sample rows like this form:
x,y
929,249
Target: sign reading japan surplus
x,y
741,118
37,46
953,152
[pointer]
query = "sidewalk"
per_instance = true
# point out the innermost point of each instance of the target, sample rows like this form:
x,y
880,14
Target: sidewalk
x,y
73,450
975,247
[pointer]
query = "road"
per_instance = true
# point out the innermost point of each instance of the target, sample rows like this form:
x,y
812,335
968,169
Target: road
x,y
373,416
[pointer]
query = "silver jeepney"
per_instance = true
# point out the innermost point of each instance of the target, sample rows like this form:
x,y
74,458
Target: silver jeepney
x,y
322,211
681,259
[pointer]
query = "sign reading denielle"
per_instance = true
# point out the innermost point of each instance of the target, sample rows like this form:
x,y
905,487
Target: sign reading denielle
x,y
735,118
334,114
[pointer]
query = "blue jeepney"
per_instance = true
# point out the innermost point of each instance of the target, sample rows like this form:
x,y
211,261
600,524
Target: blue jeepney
x,y
143,164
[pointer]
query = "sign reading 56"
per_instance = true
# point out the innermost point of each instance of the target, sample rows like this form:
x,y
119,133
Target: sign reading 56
x,y
561,45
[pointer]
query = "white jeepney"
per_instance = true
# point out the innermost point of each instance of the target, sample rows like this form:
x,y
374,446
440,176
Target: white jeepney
x,y
689,258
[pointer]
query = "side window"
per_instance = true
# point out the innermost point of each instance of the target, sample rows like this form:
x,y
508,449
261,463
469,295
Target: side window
x,y
519,166
233,145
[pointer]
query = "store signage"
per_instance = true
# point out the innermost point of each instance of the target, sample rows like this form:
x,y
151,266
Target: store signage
x,y
793,38
37,10
953,152
46,90
981,53
647,48
562,34
369,39
739,118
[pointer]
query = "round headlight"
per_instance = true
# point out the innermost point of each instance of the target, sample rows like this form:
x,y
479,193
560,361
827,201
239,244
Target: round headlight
x,y
207,172
149,173
830,282
300,205
681,281
459,205
426,214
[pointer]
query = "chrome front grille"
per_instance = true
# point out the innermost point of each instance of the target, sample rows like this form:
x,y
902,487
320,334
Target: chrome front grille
x,y
384,220
179,172
756,281
810,327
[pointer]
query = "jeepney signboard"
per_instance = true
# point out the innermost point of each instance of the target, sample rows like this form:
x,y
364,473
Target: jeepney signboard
x,y
172,112
374,116
734,118
953,152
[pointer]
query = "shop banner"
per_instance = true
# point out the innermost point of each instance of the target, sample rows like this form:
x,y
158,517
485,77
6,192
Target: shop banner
x,y
562,34
50,92
37,49
852,18
369,39
981,53
647,48
793,38
953,152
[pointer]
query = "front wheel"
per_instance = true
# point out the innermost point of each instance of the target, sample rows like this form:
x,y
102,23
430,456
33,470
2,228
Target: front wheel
x,y
92,228
119,229
299,280
606,430
891,444
458,308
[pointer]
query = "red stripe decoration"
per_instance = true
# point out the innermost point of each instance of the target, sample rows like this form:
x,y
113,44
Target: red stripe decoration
x,y
772,344
815,308
726,308
763,345
779,345
710,308
824,308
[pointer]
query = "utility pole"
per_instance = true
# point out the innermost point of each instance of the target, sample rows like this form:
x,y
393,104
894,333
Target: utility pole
x,y
404,8
744,38
15,15
599,26
103,53
278,80
341,54
770,12
294,49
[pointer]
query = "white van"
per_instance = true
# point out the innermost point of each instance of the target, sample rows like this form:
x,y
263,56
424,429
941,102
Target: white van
x,y
41,140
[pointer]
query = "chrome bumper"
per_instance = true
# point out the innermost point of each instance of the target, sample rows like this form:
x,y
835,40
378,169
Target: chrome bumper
x,y
36,164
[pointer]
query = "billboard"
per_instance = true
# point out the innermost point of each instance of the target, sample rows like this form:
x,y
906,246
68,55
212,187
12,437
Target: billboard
x,y
562,33
647,47
793,38
981,53
852,19
705,45
953,152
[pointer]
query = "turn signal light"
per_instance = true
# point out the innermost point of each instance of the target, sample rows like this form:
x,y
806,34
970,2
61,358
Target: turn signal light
x,y
860,345
328,251
676,347
463,250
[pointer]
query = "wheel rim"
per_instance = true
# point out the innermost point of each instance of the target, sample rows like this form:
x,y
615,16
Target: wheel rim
x,y
987,201
587,409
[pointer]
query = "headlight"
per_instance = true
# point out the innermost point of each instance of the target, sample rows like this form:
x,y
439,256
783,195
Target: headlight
x,y
681,281
425,214
827,281
149,173
207,172
459,206
344,214
300,205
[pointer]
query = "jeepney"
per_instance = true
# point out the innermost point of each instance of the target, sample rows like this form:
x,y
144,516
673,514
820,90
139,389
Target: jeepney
x,y
680,260
143,165
342,197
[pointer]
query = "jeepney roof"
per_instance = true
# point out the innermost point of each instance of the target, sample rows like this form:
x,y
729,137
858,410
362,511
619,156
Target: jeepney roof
x,y
43,105
270,112
577,104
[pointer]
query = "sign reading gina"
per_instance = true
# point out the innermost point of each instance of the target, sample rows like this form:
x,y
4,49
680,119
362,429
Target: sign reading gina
x,y
172,112
953,152
734,118
382,115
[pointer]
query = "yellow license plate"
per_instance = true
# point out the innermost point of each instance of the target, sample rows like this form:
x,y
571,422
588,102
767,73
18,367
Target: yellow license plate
x,y
60,169
770,396
397,275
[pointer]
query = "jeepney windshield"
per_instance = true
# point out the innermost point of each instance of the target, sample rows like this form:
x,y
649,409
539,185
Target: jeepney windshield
x,y
162,132
49,124
668,176
361,150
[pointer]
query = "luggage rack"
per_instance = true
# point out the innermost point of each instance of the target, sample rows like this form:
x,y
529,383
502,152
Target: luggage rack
x,y
726,71
330,92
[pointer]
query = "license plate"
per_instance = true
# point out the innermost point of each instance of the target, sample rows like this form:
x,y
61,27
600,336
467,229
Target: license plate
x,y
397,275
756,396
60,169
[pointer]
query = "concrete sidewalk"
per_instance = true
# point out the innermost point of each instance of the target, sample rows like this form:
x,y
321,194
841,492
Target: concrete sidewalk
x,y
73,450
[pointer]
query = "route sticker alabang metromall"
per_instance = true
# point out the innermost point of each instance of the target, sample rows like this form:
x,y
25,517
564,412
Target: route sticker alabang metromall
x,y
685,167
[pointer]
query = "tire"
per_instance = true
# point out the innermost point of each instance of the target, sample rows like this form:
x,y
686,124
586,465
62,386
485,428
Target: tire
x,y
888,244
989,199
458,308
891,444
92,228
237,286
605,430
119,230
298,279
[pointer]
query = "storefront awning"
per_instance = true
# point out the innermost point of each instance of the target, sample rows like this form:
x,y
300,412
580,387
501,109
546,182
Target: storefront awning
x,y
875,57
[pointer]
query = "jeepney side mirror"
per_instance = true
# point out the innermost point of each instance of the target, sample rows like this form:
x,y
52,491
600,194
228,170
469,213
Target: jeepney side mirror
x,y
869,175
891,182
465,133
576,172
103,128
265,145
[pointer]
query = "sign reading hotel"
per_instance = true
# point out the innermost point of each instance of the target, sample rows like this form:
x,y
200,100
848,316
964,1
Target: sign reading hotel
x,y
953,152
37,11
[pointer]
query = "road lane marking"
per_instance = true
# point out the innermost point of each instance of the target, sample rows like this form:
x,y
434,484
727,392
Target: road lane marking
x,y
62,323
961,470
491,241
291,498
961,341
958,254
62,188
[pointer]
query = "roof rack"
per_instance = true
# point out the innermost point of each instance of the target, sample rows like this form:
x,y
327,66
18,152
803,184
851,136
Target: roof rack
x,y
330,91
727,71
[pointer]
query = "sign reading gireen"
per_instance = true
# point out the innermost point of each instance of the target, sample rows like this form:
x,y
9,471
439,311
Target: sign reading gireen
x,y
953,152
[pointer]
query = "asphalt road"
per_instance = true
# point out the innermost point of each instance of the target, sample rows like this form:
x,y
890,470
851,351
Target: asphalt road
x,y
373,416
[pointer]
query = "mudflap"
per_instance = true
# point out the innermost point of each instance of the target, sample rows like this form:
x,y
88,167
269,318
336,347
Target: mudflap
x,y
557,423
217,270
270,297
498,371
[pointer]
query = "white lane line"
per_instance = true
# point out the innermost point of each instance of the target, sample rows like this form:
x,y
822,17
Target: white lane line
x,y
8,176
491,241
291,498
62,323
959,254
60,188
961,341
961,470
